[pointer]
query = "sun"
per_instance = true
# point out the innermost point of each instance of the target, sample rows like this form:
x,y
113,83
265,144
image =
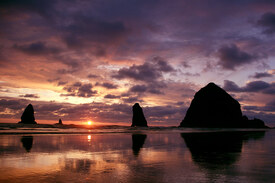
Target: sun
x,y
89,122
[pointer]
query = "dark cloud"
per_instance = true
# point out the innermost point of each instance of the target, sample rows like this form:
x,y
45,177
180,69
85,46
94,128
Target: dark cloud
x,y
153,88
107,85
230,57
253,86
185,64
89,29
53,55
180,103
190,74
131,100
48,107
54,79
110,96
80,90
92,76
43,8
162,65
13,104
138,88
231,86
150,71
61,83
37,48
30,96
267,21
66,71
259,75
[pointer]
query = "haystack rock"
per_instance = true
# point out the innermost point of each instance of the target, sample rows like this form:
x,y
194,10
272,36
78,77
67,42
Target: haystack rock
x,y
219,149
138,116
213,107
28,116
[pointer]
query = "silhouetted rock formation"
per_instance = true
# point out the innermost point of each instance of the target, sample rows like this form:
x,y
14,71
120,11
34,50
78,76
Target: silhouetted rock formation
x,y
138,116
138,141
60,122
28,115
27,142
215,150
212,107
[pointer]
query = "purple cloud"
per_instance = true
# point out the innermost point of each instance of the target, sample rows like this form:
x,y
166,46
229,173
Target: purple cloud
x,y
37,48
92,76
259,75
110,96
267,21
138,88
107,85
80,90
230,57
29,96
148,72
253,86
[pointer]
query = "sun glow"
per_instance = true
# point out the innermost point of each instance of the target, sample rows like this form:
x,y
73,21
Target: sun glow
x,y
89,123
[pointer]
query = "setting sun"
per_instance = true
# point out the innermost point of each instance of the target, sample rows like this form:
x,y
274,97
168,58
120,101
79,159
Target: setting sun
x,y
89,122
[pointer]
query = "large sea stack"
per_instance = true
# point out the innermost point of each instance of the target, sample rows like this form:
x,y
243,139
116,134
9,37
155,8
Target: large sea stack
x,y
28,116
213,107
138,116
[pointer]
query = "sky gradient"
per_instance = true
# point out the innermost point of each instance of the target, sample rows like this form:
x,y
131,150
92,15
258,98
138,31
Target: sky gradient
x,y
83,60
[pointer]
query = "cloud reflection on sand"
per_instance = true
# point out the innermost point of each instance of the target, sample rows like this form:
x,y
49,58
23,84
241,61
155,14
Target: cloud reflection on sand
x,y
159,157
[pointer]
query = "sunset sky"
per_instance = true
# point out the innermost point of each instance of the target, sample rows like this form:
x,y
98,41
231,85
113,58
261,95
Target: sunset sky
x,y
91,60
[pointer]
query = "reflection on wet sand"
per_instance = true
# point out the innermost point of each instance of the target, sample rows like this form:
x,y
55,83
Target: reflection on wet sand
x,y
27,142
137,142
217,150
138,157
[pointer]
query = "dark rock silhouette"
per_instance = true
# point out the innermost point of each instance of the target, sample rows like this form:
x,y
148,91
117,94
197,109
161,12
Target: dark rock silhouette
x,y
138,116
60,122
254,123
213,107
138,140
28,116
218,150
27,142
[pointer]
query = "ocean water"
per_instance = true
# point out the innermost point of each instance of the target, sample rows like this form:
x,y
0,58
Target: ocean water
x,y
124,154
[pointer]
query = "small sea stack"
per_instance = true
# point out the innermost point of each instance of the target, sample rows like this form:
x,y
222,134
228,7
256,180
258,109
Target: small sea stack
x,y
138,116
60,122
28,116
213,107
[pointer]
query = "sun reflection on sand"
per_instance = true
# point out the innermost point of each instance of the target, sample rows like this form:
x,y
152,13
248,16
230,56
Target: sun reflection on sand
x,y
89,137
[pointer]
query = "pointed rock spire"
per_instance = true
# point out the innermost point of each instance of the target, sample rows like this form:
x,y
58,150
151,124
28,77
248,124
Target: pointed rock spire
x,y
138,116
28,115
60,122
